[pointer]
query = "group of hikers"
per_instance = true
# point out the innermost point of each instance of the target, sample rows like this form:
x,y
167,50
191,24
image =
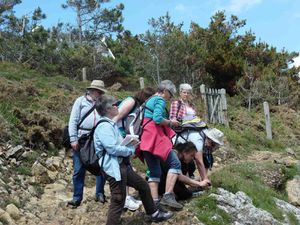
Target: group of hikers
x,y
171,150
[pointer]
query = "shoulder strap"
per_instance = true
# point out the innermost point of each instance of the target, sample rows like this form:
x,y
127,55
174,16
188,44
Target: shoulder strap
x,y
178,108
86,115
100,121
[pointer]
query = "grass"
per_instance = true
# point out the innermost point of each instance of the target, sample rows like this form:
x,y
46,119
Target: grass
x,y
7,113
23,170
246,177
292,219
207,211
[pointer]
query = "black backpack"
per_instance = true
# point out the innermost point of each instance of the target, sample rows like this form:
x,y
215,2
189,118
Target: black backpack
x,y
88,155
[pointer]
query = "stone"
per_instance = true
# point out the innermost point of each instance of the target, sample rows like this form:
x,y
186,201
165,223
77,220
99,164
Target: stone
x,y
14,152
239,206
293,191
54,163
291,152
6,217
288,209
115,87
40,173
13,161
13,211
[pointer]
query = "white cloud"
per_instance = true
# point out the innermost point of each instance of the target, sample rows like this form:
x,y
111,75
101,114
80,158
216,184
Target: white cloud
x,y
237,6
180,7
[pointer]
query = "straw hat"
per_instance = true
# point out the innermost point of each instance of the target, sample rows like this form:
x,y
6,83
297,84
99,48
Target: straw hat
x,y
215,135
98,85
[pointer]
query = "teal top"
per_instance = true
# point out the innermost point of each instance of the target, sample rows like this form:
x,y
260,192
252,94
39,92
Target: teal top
x,y
158,106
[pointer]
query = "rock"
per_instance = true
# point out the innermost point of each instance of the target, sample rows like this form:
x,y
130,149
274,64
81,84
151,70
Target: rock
x,y
6,217
14,152
288,209
241,209
26,154
13,161
40,173
32,190
115,87
13,211
54,163
293,191
2,187
291,152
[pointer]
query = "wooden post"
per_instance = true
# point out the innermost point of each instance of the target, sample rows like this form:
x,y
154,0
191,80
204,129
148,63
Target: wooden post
x,y
142,85
224,107
203,96
268,121
84,74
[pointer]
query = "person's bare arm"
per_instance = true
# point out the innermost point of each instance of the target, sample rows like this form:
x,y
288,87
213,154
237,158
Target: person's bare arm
x,y
124,109
191,182
200,165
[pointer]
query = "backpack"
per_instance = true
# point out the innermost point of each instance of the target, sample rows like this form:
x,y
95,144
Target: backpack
x,y
134,120
88,156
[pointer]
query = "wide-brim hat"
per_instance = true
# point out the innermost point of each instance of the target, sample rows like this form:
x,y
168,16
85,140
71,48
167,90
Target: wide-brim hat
x,y
98,85
215,135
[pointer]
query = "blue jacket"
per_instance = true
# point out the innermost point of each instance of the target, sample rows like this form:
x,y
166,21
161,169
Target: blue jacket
x,y
108,137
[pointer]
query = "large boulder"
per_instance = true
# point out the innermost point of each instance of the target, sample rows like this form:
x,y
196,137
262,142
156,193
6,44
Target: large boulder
x,y
241,209
293,191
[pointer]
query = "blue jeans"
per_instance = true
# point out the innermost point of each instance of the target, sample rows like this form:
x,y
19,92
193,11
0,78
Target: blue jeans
x,y
78,178
153,163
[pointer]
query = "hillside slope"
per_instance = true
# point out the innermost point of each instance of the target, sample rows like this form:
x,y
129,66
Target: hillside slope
x,y
34,167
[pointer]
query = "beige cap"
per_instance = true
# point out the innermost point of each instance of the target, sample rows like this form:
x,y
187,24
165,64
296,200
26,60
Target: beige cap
x,y
98,85
215,135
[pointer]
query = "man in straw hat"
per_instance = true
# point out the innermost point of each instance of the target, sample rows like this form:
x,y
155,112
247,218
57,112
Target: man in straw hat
x,y
82,119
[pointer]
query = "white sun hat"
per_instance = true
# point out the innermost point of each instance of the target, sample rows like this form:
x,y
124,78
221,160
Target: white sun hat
x,y
215,135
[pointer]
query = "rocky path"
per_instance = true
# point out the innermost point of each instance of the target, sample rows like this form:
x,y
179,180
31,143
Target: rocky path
x,y
51,209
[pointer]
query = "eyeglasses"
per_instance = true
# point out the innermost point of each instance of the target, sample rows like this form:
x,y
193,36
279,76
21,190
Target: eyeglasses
x,y
114,104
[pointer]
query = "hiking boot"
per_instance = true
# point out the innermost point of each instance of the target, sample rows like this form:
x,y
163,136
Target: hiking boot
x,y
161,216
159,207
73,204
100,198
131,204
168,199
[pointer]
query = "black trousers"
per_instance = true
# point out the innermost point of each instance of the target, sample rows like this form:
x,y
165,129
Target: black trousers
x,y
118,193
180,190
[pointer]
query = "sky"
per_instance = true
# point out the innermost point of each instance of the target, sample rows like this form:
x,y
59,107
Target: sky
x,y
276,22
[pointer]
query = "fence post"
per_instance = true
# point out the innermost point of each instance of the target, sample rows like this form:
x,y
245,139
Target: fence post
x,y
142,85
224,107
268,121
203,95
84,74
